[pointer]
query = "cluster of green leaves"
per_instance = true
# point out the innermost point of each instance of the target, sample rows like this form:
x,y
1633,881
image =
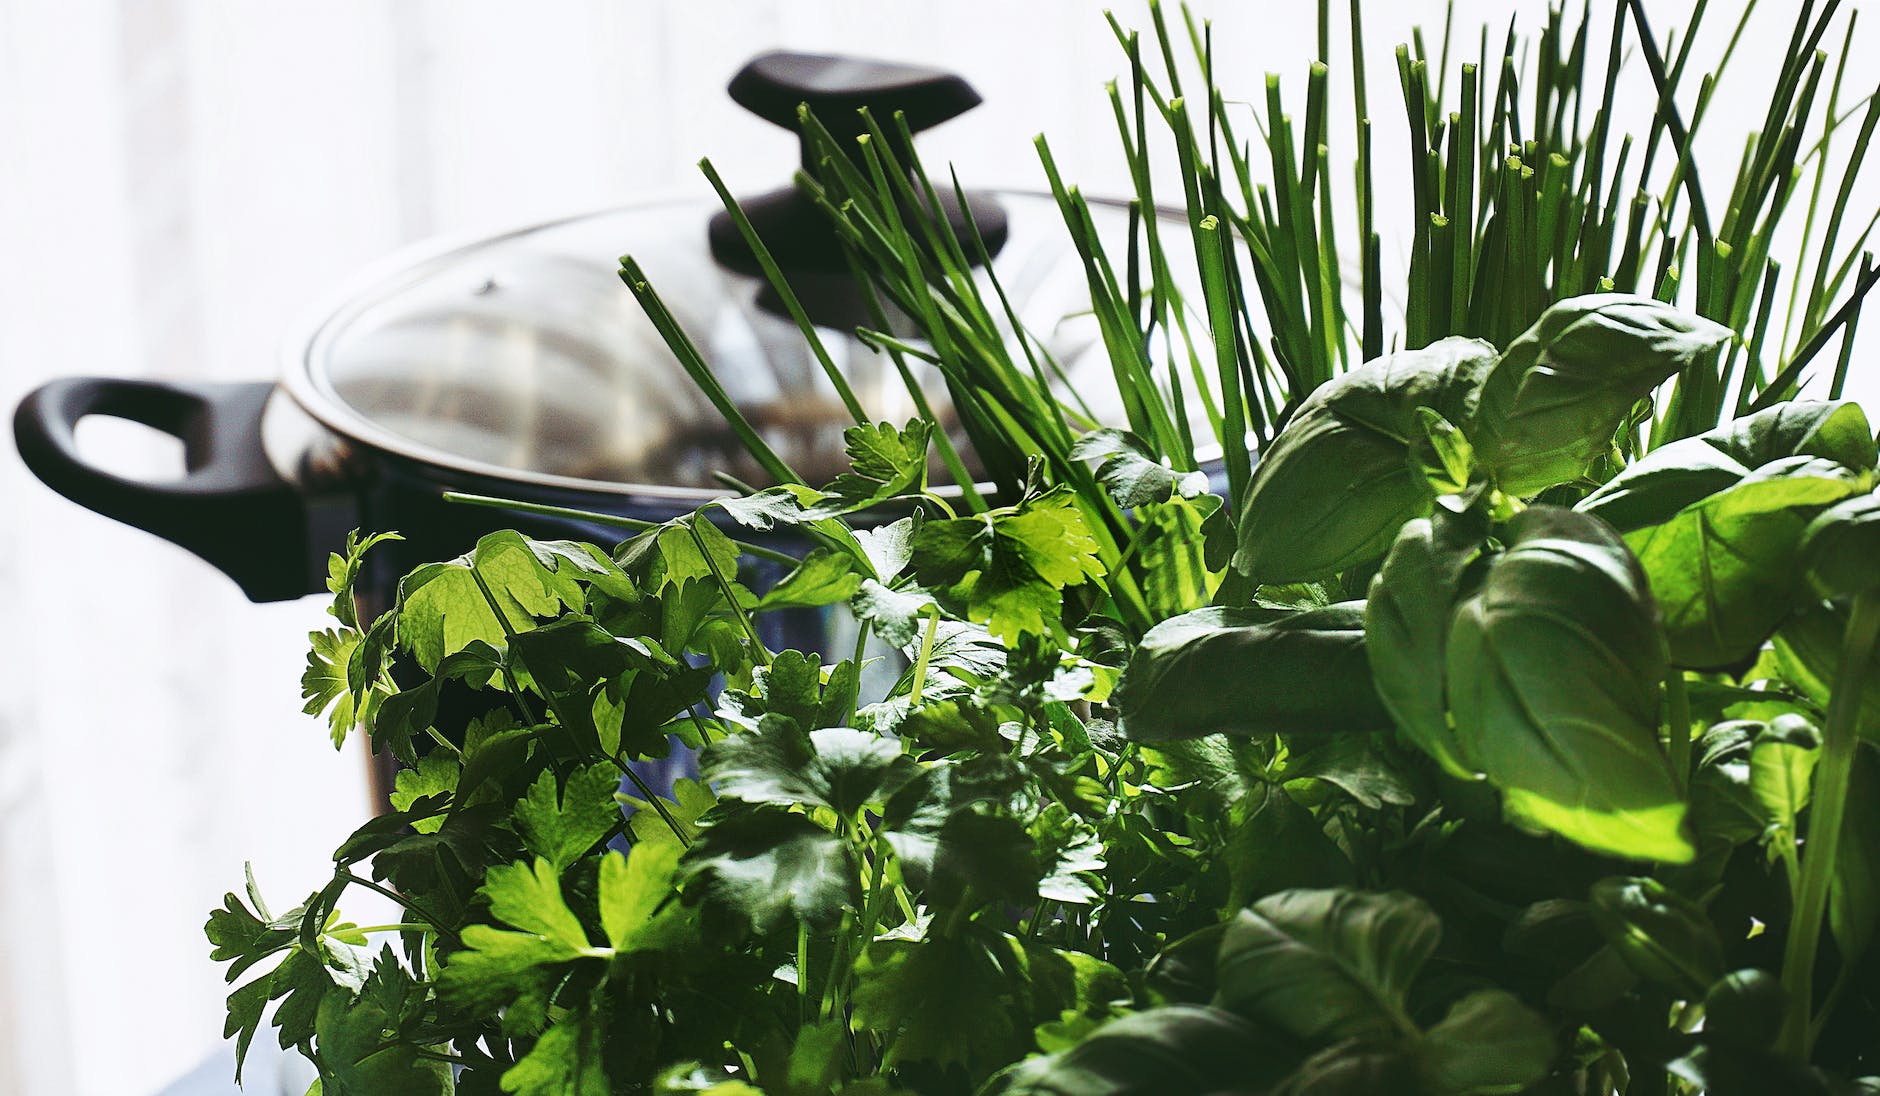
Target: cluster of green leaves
x,y
1508,726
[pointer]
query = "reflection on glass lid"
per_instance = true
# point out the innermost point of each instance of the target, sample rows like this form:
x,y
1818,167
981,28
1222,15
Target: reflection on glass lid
x,y
526,354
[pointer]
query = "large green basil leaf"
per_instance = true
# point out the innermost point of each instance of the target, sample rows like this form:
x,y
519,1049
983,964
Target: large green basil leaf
x,y
1250,671
1841,548
1327,965
1716,520
1552,403
1406,627
1488,1042
1171,1049
1554,666
1782,767
1723,569
1808,654
1663,936
1339,481
1664,481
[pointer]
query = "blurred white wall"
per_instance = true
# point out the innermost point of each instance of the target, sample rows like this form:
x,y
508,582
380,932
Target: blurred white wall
x,y
179,178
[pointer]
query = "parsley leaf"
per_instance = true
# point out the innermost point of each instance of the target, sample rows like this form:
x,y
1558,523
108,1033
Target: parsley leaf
x,y
566,1060
1130,471
765,865
442,607
561,828
1008,568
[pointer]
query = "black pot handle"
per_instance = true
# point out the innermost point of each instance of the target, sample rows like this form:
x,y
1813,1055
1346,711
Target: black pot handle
x,y
231,508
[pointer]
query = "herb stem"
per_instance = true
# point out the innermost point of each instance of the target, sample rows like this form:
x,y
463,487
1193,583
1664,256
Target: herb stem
x,y
548,696
920,664
509,633
1833,774
758,650
1678,736
437,736
658,803
614,520
438,924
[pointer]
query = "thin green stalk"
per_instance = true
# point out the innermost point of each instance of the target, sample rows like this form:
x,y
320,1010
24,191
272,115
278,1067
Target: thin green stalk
x,y
405,903
548,696
920,664
1678,739
787,295
758,651
444,743
613,520
1827,813
509,632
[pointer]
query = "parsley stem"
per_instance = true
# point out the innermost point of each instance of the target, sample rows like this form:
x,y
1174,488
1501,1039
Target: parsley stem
x,y
509,632
613,520
437,923
658,803
862,630
438,737
920,664
548,696
758,650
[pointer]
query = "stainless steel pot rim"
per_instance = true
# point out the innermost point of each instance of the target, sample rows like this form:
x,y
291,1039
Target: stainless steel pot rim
x,y
311,335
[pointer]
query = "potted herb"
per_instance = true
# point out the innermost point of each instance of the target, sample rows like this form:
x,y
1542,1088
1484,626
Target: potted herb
x,y
1508,725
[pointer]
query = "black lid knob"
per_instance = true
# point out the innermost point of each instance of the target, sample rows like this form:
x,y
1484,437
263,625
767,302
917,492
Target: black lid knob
x,y
836,90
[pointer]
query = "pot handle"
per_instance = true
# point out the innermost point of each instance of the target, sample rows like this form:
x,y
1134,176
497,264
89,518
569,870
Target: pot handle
x,y
231,508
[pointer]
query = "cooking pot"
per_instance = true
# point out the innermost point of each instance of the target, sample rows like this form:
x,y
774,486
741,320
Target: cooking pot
x,y
519,366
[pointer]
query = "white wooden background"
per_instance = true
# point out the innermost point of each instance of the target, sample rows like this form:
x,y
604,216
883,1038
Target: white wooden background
x,y
177,180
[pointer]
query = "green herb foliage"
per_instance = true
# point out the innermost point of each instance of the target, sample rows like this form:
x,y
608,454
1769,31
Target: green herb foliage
x,y
1497,715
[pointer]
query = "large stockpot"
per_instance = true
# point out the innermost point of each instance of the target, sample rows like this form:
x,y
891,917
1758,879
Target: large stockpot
x,y
519,366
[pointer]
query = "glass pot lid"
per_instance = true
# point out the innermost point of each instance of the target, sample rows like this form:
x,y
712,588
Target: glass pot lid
x,y
525,357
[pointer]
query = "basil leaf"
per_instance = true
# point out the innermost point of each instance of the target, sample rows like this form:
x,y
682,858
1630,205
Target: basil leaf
x,y
1839,548
1781,767
1671,477
1340,480
1131,474
1553,401
1406,629
1808,654
1174,1048
1240,671
1723,570
1663,936
1554,665
1717,520
1327,965
1487,1042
